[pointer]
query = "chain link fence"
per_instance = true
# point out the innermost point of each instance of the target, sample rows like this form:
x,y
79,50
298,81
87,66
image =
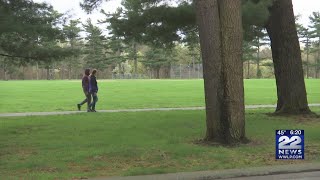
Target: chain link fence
x,y
180,71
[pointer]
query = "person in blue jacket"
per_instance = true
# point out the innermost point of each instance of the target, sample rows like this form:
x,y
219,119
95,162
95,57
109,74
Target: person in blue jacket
x,y
93,89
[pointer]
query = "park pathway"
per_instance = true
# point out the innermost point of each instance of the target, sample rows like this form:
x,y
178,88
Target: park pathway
x,y
129,110
307,171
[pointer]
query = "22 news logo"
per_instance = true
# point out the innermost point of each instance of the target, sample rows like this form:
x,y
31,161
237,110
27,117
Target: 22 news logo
x,y
289,144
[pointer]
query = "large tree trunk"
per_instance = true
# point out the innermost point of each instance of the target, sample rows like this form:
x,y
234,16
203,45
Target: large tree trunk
x,y
220,30
291,90
232,68
209,32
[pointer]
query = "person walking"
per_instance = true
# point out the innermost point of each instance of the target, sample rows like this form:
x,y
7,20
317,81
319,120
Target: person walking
x,y
85,88
93,89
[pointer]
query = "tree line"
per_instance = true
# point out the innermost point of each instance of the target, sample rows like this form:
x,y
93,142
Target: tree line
x,y
222,26
134,44
223,33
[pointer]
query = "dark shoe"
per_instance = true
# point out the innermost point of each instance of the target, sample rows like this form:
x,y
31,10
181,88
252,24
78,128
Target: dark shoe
x,y
93,110
89,110
79,107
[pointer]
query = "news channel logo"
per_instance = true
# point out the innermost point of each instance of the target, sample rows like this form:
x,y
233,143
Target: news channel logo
x,y
289,144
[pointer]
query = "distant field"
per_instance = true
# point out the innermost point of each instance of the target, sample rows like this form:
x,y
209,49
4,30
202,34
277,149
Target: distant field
x,y
30,96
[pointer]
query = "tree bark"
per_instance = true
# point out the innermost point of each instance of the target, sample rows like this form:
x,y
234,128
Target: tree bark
x,y
220,30
291,90
210,41
232,68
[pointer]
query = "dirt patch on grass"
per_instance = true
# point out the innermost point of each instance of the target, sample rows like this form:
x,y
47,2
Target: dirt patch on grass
x,y
203,142
312,151
255,142
27,152
307,119
268,159
301,119
79,167
79,178
27,129
47,169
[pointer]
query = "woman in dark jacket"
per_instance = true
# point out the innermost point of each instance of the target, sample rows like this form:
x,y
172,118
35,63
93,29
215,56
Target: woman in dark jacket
x,y
93,89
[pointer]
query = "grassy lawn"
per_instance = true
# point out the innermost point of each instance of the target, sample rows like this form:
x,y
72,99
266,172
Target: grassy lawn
x,y
31,96
112,144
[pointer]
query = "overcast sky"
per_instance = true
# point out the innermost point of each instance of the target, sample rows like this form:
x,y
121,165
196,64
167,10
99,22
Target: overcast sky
x,y
303,7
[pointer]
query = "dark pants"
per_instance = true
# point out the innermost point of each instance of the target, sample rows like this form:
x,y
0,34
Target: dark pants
x,y
87,100
95,100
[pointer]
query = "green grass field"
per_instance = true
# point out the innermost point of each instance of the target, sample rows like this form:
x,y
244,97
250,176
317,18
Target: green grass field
x,y
112,144
34,96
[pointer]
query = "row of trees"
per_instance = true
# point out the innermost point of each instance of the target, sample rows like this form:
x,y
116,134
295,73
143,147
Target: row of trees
x,y
219,26
36,35
256,51
136,45
310,38
221,22
30,34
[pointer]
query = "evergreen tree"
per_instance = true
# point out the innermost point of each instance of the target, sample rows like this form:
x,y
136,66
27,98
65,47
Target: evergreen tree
x,y
157,59
305,38
315,34
95,47
30,30
247,55
72,35
260,39
117,53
